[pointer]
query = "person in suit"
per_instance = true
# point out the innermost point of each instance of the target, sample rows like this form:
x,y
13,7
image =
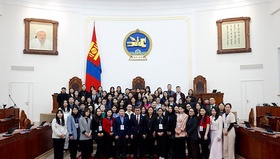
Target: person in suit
x,y
59,132
107,125
179,95
171,121
121,132
229,132
212,104
62,96
97,132
83,92
169,90
73,128
192,135
160,126
150,139
138,132
85,134
180,133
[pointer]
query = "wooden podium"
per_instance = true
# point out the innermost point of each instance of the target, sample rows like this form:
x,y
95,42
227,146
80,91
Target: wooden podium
x,y
219,97
7,123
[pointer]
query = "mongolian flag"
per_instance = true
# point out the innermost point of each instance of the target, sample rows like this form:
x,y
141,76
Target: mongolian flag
x,y
93,69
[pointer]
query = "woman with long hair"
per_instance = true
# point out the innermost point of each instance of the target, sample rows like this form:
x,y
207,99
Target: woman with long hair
x,y
160,127
97,132
203,132
171,121
59,132
73,128
98,103
66,112
192,135
216,128
150,140
107,126
229,132
145,103
85,134
180,133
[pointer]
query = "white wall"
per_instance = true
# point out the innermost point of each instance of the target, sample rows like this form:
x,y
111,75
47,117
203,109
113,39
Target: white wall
x,y
50,72
166,63
197,45
223,71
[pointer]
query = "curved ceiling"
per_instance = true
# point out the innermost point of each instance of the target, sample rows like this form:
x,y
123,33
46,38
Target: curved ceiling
x,y
132,7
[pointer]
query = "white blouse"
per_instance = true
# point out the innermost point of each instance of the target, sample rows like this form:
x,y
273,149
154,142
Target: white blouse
x,y
58,129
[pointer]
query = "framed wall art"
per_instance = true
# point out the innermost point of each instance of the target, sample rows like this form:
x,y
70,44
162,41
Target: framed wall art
x,y
233,35
40,36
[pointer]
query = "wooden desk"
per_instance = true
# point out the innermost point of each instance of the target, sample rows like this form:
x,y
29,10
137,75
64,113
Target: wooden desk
x,y
253,144
26,145
274,111
262,110
6,124
219,97
7,112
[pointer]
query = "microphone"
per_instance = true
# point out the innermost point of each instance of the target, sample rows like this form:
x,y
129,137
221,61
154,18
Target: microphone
x,y
12,101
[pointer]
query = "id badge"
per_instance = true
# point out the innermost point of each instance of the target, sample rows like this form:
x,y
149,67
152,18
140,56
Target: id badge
x,y
111,129
76,125
61,129
122,127
200,128
179,125
160,126
99,128
213,127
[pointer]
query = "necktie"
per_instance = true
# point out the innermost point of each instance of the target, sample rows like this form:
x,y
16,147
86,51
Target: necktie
x,y
138,119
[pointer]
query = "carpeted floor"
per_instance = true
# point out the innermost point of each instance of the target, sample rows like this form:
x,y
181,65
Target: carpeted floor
x,y
49,155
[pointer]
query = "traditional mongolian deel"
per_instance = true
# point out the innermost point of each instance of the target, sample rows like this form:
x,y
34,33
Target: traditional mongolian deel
x,y
137,44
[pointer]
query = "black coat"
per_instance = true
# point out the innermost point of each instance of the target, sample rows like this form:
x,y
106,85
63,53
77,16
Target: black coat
x,y
192,128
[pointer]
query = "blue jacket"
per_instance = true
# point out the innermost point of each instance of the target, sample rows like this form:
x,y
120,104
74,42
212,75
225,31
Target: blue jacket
x,y
71,127
117,127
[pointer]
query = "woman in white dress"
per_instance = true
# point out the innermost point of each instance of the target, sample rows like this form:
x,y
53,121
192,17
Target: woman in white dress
x,y
216,128
229,132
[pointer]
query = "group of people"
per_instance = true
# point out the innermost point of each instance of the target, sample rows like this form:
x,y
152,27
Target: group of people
x,y
141,124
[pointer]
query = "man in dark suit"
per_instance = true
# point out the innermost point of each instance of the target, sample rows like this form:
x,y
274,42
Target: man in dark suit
x,y
83,92
211,105
121,132
62,96
179,95
138,132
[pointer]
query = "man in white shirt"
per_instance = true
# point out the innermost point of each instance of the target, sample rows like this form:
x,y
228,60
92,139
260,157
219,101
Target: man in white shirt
x,y
179,95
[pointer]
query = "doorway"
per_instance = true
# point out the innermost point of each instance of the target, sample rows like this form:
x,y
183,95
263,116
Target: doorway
x,y
22,95
252,95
